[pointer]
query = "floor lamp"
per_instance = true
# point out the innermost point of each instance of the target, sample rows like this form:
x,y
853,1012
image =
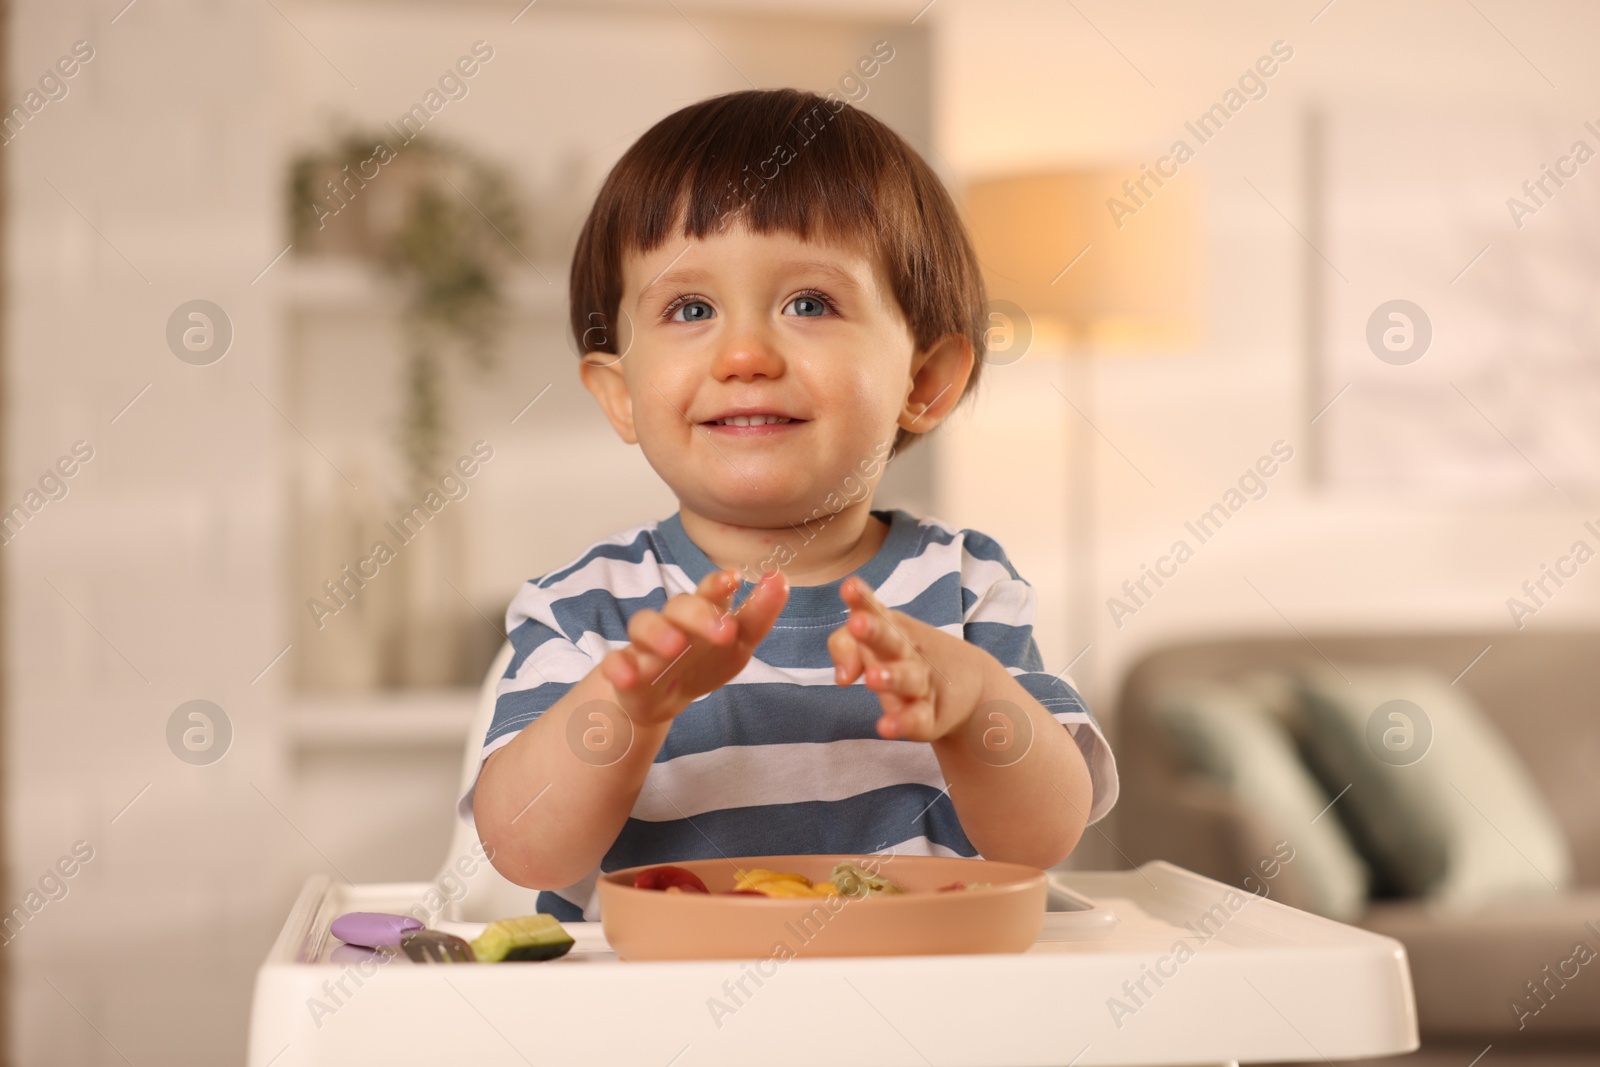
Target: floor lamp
x,y
1098,262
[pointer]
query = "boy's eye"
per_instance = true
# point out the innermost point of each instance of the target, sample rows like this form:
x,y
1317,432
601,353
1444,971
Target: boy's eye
x,y
810,304
693,308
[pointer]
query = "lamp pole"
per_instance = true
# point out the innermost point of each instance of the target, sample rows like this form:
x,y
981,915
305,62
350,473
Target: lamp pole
x,y
1083,567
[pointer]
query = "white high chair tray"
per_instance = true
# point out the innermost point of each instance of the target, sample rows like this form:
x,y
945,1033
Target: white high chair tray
x,y
1158,966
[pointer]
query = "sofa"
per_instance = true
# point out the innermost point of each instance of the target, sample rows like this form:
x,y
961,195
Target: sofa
x,y
1540,692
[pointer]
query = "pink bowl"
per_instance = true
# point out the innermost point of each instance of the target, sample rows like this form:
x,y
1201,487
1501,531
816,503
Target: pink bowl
x,y
649,924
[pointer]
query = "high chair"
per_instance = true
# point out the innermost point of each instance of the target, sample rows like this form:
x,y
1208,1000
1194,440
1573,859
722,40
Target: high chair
x,y
1099,987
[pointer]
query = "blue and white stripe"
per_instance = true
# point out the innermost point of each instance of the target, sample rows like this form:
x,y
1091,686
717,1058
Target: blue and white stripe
x,y
770,764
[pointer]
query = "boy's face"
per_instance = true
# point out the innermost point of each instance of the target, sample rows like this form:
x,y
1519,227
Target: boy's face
x,y
738,322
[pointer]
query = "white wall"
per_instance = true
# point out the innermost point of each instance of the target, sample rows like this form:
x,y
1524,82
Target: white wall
x,y
155,580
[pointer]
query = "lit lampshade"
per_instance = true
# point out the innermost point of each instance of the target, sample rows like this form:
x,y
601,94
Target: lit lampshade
x,y
1090,263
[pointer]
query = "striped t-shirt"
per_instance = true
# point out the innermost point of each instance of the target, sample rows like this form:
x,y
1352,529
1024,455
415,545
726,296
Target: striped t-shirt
x,y
781,760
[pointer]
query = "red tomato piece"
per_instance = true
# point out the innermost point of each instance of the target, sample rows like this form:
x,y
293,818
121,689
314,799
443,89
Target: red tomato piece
x,y
666,876
952,885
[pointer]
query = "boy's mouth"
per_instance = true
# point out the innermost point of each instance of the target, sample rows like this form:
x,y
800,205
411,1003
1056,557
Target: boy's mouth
x,y
753,422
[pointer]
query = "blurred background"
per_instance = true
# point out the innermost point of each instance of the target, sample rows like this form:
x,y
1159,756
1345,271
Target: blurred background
x,y
1286,425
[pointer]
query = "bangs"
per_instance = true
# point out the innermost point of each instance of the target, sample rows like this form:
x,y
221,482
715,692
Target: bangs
x,y
777,163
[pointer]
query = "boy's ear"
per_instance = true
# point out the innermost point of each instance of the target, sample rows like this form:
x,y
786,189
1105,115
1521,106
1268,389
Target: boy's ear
x,y
938,378
602,375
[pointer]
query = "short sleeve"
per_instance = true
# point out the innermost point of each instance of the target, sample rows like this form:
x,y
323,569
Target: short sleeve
x,y
545,663
997,616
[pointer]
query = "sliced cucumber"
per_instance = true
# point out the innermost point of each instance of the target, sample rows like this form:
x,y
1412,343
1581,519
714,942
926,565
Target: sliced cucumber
x,y
530,937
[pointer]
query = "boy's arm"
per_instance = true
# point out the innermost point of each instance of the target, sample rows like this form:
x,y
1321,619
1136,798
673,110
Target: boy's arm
x,y
1031,809
547,817
548,813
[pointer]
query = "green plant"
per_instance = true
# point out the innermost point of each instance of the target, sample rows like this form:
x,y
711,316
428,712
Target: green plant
x,y
443,224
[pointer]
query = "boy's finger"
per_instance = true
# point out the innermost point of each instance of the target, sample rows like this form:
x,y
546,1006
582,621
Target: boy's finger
x,y
762,607
876,627
911,722
857,593
718,586
620,669
846,653
908,678
652,631
892,725
879,632
697,616
922,719
888,725
909,717
639,654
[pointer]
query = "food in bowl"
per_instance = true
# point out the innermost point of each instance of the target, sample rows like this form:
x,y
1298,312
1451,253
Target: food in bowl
x,y
855,880
781,884
669,878
847,879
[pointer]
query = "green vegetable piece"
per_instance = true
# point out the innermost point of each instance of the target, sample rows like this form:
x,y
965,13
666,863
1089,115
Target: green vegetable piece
x,y
530,937
853,880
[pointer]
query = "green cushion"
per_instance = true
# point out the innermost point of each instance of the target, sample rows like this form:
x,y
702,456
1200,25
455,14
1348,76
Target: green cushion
x,y
1438,802
1225,733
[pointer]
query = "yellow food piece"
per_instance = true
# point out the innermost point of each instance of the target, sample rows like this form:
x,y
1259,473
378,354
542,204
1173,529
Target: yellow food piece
x,y
783,887
761,874
782,884
755,877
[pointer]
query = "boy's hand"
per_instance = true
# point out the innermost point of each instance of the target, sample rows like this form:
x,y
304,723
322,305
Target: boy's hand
x,y
694,645
926,679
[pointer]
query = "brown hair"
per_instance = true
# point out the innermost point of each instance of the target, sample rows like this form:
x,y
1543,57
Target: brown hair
x,y
790,161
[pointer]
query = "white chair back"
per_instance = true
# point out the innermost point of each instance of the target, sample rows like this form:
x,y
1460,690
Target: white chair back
x,y
475,891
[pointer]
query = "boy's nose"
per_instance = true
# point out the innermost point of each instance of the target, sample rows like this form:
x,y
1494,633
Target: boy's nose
x,y
747,354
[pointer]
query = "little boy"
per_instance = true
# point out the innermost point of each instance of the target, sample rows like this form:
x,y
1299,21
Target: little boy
x,y
771,287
